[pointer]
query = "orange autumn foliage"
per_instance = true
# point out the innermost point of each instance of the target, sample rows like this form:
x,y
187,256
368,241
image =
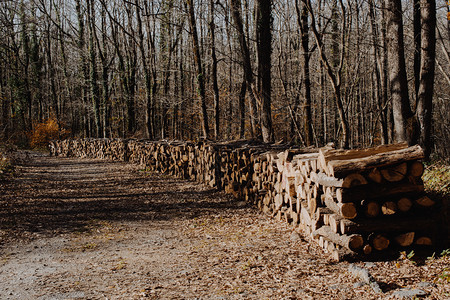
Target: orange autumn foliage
x,y
46,131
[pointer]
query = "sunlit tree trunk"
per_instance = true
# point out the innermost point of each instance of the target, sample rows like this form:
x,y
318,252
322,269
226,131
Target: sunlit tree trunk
x,y
427,72
247,66
397,72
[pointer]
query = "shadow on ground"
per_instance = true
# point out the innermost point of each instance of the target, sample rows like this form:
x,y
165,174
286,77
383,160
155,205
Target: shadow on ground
x,y
57,195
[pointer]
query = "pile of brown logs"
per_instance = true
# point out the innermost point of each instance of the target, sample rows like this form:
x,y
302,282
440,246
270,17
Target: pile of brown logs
x,y
370,200
352,202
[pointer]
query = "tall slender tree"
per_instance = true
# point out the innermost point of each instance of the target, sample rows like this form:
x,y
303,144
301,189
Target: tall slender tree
x,y
215,84
199,67
264,45
427,73
403,115
236,12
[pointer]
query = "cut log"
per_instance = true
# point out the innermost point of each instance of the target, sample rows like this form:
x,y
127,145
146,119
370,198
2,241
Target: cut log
x,y
389,208
305,217
405,239
326,154
404,204
353,242
341,254
371,208
312,205
341,168
375,175
416,169
405,224
351,180
334,221
425,201
379,242
354,179
346,210
395,173
424,241
374,191
367,249
320,213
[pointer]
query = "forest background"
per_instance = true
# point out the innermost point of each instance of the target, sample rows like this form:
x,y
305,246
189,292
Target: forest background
x,y
357,73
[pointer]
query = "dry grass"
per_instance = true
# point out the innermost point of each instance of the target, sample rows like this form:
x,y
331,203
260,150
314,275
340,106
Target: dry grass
x,y
437,178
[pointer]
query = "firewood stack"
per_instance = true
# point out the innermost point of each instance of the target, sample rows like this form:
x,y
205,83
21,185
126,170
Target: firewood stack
x,y
111,149
352,202
371,200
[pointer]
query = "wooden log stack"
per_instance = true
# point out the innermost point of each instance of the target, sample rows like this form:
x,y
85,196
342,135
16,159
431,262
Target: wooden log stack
x,y
375,197
351,202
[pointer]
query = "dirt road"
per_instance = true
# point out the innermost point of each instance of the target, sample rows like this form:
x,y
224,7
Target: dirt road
x,y
89,229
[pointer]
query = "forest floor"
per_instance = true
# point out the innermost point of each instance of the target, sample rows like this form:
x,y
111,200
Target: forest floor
x,y
90,229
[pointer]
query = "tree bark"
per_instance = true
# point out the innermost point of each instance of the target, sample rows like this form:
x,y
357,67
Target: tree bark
x,y
302,19
417,41
247,66
214,69
84,118
147,73
335,77
93,75
242,109
403,116
378,75
427,72
264,45
198,63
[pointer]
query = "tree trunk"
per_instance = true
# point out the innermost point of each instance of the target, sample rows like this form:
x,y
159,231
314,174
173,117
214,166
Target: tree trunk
x,y
417,41
248,72
397,72
385,76
83,69
378,71
302,18
264,45
427,71
334,76
147,75
214,70
150,109
95,93
242,109
198,63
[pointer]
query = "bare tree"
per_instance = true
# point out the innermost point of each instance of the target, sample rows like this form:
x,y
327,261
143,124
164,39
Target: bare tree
x,y
198,63
403,115
264,45
427,73
334,76
247,66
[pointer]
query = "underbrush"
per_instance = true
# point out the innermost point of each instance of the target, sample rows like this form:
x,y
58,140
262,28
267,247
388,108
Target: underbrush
x,y
7,167
46,131
437,179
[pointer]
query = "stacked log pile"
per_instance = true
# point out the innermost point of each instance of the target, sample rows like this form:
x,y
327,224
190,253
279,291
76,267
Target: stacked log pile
x,y
351,202
110,149
371,200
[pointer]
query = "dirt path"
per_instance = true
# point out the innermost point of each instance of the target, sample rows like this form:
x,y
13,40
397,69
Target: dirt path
x,y
88,229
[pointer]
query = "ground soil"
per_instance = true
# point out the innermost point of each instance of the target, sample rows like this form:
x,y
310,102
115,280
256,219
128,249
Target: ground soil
x,y
90,229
